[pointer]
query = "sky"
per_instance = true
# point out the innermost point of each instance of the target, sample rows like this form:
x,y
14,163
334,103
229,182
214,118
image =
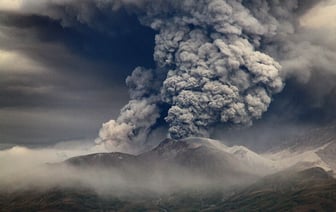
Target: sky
x,y
63,68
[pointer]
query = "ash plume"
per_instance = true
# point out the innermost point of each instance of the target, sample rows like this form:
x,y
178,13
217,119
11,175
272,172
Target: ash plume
x,y
137,117
211,67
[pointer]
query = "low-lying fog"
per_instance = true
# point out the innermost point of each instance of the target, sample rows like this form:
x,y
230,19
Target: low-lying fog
x,y
41,169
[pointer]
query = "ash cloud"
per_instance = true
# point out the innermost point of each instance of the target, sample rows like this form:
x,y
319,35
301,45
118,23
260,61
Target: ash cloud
x,y
215,67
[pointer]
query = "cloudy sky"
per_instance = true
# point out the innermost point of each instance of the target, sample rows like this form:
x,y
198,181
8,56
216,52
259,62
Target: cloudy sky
x,y
59,82
63,68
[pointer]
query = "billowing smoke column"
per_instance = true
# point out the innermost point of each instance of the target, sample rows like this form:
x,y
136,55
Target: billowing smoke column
x,y
210,68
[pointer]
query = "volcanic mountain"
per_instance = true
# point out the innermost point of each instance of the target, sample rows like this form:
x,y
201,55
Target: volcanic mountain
x,y
200,157
194,174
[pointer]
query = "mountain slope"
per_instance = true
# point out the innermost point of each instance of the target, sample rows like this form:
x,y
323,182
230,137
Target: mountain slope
x,y
101,160
323,157
309,138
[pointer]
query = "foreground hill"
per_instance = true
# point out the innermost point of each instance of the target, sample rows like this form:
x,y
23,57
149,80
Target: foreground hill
x,y
308,190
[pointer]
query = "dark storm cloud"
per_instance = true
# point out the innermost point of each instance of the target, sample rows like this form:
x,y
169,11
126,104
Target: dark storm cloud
x,y
60,83
118,47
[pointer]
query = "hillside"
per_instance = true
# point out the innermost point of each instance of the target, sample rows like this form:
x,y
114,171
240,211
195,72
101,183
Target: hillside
x,y
311,189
